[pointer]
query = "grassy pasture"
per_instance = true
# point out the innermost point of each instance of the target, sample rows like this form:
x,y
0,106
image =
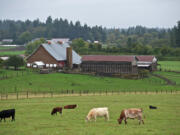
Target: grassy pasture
x,y
170,65
59,81
9,53
6,47
33,116
171,76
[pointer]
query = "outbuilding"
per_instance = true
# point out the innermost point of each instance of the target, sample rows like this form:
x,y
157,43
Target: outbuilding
x,y
109,64
148,62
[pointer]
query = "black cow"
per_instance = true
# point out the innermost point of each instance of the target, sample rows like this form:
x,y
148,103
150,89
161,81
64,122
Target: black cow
x,y
152,107
7,113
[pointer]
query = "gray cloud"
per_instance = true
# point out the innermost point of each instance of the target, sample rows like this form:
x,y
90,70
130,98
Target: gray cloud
x,y
108,13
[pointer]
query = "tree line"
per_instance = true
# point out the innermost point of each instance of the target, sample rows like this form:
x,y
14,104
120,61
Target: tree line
x,y
24,31
138,40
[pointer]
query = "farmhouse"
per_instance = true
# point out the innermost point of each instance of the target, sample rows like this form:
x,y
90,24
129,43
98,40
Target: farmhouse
x,y
147,62
109,64
54,56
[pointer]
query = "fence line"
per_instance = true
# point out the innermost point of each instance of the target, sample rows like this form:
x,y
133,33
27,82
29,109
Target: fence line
x,y
29,95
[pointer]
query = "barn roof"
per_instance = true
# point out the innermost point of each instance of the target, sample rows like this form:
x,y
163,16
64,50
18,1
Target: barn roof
x,y
58,51
147,58
108,58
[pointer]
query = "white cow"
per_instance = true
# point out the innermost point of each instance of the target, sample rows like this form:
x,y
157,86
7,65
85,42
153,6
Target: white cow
x,y
97,112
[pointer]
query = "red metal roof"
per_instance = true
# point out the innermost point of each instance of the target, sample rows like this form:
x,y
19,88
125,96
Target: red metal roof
x,y
108,58
147,58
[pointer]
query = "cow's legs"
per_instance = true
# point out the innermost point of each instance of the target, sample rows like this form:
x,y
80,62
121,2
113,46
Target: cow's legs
x,y
13,118
106,117
142,121
94,118
125,120
4,119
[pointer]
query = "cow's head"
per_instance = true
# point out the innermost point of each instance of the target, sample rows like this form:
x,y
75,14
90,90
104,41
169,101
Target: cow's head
x,y
86,119
119,120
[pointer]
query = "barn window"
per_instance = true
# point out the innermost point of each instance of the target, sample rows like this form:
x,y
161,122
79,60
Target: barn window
x,y
51,65
55,65
47,65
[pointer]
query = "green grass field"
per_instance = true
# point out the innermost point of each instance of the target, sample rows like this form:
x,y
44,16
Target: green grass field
x,y
59,81
6,47
9,53
171,75
33,116
170,65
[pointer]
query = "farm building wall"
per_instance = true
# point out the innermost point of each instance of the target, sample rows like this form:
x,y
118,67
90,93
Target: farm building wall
x,y
109,67
42,55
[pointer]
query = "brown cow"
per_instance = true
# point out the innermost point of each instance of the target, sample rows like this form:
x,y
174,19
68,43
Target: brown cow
x,y
55,110
70,106
131,113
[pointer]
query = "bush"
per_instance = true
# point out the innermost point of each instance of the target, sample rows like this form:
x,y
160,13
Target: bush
x,y
143,73
14,61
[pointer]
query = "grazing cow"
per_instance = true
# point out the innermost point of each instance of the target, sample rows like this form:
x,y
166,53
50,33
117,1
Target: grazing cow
x,y
55,110
131,113
7,113
97,112
70,106
152,107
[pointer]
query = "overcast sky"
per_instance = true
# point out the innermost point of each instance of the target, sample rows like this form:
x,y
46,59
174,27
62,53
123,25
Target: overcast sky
x,y
108,13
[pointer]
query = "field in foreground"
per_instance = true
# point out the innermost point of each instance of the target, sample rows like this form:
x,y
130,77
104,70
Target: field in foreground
x,y
33,116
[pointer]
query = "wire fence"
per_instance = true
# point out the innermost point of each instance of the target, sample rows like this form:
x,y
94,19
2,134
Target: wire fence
x,y
29,95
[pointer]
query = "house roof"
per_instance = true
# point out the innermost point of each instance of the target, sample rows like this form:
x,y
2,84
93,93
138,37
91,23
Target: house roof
x,y
58,51
108,58
56,40
4,58
146,58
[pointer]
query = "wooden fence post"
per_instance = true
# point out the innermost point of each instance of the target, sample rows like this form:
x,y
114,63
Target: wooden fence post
x,y
17,96
51,93
27,94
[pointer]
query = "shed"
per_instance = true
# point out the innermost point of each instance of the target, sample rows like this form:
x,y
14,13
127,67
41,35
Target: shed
x,y
147,62
109,64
